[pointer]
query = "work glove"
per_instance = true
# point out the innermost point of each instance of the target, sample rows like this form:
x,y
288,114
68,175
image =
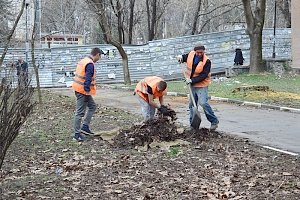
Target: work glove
x,y
163,109
179,58
188,81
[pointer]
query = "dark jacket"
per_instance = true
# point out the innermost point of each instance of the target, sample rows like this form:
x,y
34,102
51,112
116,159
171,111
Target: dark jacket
x,y
89,73
238,59
206,69
22,68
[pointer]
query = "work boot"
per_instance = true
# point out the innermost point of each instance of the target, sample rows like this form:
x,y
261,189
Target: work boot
x,y
214,126
78,137
85,130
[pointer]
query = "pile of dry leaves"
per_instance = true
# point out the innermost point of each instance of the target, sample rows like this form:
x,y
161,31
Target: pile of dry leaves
x,y
162,129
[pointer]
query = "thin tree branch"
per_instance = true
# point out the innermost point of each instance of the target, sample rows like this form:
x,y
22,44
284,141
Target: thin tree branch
x,y
11,33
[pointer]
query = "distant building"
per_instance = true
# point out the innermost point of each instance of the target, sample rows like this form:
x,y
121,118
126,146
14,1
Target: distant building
x,y
46,39
59,39
232,26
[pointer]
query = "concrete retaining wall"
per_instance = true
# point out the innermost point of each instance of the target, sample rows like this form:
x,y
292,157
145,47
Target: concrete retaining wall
x,y
155,58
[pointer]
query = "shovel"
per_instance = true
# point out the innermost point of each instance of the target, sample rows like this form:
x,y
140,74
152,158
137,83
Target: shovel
x,y
196,118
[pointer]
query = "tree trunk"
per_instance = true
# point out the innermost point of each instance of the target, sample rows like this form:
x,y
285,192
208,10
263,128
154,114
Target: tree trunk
x,y
124,56
196,17
35,67
148,19
153,20
120,22
131,16
255,23
256,53
11,33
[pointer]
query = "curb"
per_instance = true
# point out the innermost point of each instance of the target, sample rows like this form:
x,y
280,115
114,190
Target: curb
x,y
221,99
281,151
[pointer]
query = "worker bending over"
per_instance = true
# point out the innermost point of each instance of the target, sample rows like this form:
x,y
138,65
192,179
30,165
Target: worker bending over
x,y
147,90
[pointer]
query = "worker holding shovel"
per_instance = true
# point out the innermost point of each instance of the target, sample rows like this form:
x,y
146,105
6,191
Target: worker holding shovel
x,y
147,90
198,77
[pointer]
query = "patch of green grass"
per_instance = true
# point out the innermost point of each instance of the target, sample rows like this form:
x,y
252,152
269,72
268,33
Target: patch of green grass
x,y
174,151
223,88
285,84
177,86
283,91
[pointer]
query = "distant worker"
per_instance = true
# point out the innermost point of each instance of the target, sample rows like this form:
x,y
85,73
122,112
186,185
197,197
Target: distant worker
x,y
84,85
147,90
238,59
198,74
22,72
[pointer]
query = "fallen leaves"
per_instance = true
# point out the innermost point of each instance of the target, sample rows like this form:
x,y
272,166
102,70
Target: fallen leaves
x,y
45,164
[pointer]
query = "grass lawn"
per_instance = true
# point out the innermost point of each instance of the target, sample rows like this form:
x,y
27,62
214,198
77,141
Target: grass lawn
x,y
283,91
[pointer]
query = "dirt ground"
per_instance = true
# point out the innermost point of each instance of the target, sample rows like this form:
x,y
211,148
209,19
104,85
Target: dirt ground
x,y
45,163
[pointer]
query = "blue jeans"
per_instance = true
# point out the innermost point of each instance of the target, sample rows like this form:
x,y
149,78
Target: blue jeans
x,y
148,111
201,98
83,101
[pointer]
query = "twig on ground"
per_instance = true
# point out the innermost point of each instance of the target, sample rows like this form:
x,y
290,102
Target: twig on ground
x,y
278,187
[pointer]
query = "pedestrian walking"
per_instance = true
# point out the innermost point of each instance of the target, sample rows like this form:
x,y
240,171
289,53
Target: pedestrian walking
x,y
84,85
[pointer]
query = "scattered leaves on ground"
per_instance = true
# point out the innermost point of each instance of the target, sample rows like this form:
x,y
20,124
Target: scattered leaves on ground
x,y
45,163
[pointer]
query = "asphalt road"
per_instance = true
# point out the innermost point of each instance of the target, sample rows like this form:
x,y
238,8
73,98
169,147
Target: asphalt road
x,y
274,128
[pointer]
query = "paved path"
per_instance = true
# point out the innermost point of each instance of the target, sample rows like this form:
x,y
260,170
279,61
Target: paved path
x,y
268,127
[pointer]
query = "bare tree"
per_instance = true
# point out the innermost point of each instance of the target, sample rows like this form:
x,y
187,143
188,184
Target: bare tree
x,y
98,7
15,107
118,10
255,23
60,15
219,16
69,17
155,10
164,18
12,32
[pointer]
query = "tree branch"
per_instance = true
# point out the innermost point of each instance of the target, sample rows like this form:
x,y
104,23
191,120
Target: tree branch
x,y
11,33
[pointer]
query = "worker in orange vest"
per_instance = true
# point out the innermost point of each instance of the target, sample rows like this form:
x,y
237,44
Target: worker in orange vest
x,y
147,90
84,85
198,68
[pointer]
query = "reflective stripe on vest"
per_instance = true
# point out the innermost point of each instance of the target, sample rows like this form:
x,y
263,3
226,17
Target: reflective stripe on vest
x,y
151,81
80,83
79,78
198,70
82,77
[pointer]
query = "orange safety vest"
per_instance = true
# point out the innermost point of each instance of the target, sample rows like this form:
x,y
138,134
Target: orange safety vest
x,y
152,81
198,70
79,79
